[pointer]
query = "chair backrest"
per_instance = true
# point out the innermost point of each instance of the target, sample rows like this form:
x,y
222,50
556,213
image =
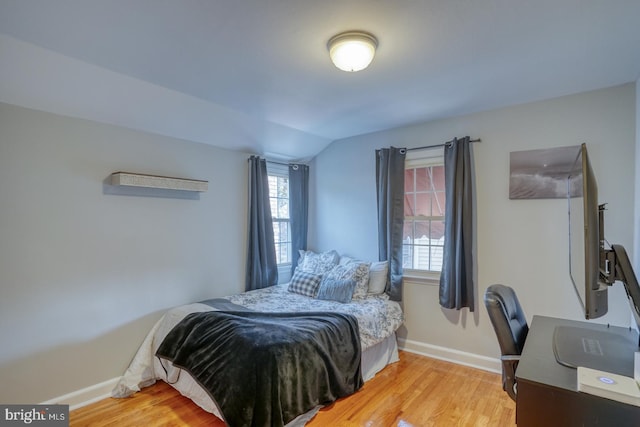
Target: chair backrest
x,y
507,317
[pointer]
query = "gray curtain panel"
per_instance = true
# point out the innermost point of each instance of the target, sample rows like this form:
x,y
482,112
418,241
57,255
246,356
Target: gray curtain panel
x,y
298,209
456,279
390,196
262,270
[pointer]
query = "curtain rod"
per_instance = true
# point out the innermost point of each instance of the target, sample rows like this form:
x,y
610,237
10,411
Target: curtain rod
x,y
280,163
439,145
286,164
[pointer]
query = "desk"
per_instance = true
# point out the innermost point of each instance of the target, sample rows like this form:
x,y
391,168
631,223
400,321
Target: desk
x,y
547,390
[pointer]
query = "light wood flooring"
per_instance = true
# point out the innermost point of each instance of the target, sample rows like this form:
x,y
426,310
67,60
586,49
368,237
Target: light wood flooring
x,y
416,392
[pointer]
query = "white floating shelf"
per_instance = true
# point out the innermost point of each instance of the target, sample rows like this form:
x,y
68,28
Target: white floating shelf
x,y
153,181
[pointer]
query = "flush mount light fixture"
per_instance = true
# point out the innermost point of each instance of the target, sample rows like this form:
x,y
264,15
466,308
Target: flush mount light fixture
x,y
353,50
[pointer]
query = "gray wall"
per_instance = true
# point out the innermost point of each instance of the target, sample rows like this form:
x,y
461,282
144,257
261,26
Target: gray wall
x,y
522,243
85,273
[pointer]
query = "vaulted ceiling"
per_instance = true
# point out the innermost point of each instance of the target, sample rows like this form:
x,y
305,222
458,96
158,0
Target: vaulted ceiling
x,y
193,68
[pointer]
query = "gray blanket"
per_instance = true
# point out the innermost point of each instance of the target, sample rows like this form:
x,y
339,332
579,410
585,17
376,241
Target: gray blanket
x,y
264,369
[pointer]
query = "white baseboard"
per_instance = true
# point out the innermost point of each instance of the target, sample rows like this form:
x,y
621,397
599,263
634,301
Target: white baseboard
x,y
451,355
96,392
79,398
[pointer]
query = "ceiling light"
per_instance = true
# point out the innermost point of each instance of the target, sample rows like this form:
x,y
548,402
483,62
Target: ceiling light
x,y
353,50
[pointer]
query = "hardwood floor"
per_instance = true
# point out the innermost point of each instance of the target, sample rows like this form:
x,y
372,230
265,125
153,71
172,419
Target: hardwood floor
x,y
416,392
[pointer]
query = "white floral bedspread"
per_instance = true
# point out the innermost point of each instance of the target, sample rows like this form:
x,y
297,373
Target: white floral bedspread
x,y
378,317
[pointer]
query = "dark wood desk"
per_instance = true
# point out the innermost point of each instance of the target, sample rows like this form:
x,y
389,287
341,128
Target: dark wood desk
x,y
547,390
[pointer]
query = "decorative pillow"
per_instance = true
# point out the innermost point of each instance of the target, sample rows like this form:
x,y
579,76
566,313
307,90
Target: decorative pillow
x,y
312,262
304,283
378,272
357,271
336,290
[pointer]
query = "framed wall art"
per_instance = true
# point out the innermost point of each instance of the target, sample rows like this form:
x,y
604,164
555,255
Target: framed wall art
x,y
541,174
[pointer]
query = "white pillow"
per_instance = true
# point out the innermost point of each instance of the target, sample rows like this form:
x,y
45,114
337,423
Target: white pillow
x,y
378,272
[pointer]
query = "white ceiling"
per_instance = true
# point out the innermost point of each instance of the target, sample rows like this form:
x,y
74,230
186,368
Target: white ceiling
x,y
263,64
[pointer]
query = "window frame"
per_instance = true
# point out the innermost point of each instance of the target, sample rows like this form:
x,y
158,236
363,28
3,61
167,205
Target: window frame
x,y
281,170
415,159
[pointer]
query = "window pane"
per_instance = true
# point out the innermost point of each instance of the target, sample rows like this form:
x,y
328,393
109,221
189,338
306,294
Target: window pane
x,y
438,204
422,232
423,239
281,235
283,187
277,232
423,204
421,257
436,258
407,256
407,232
283,253
279,204
437,232
423,181
273,186
409,205
277,245
283,208
279,196
286,253
438,177
408,180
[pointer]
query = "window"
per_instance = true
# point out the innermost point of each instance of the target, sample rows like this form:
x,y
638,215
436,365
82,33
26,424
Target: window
x,y
424,208
279,200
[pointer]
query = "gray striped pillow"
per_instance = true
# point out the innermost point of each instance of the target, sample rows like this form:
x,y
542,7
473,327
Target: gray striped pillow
x,y
340,290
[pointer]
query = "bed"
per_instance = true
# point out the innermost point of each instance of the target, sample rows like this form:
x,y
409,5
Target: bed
x,y
377,320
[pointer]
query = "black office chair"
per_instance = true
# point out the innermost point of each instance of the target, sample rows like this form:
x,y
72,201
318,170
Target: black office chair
x,y
511,329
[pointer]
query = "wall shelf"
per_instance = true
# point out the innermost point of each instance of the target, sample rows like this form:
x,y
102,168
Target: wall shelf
x,y
128,179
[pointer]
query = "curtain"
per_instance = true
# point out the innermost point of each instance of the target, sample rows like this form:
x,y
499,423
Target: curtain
x,y
262,270
456,279
298,210
390,197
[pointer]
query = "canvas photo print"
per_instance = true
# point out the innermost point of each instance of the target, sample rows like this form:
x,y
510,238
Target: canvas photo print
x,y
546,173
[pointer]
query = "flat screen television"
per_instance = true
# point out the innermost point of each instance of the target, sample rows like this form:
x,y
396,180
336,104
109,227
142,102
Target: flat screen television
x,y
586,239
593,269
